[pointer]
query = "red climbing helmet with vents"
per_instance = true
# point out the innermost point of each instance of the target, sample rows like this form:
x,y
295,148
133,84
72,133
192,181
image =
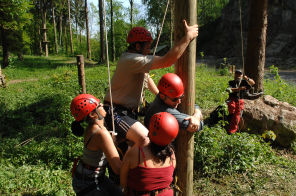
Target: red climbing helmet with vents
x,y
163,128
82,105
139,34
171,85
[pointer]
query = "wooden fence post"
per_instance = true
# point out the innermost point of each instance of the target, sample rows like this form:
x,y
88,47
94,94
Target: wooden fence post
x,y
81,74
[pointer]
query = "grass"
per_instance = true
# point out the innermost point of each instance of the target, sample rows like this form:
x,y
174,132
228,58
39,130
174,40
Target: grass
x,y
37,147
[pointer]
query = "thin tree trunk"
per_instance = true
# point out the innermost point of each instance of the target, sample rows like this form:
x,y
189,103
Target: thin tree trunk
x,y
112,34
61,30
102,43
80,37
40,41
54,30
66,38
77,39
44,29
4,49
256,44
70,29
131,12
87,32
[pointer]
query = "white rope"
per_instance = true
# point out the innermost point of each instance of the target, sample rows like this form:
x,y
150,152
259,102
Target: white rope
x,y
109,78
242,38
160,30
166,9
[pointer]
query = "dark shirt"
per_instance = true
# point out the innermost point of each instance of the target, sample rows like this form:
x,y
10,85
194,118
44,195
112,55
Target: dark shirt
x,y
234,84
159,106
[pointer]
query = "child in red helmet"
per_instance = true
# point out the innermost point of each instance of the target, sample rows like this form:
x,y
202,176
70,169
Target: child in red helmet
x,y
149,170
171,91
89,176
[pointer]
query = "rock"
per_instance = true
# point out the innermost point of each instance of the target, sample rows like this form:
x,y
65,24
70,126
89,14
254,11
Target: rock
x,y
268,113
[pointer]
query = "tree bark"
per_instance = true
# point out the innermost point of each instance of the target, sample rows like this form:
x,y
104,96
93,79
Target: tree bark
x,y
102,43
88,56
70,29
185,68
131,12
112,34
43,13
66,38
54,30
61,30
4,49
256,44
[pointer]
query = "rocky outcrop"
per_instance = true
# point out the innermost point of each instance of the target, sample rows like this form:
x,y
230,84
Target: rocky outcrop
x,y
222,38
268,113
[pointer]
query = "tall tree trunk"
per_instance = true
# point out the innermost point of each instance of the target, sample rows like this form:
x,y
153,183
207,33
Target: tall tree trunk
x,y
40,41
61,30
54,30
131,12
256,44
44,28
87,32
80,36
102,43
70,29
112,34
4,48
66,38
77,39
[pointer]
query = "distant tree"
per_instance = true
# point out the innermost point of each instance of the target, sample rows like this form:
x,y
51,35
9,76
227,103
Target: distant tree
x,y
54,26
256,43
14,16
79,15
87,32
43,7
70,28
155,13
102,40
131,12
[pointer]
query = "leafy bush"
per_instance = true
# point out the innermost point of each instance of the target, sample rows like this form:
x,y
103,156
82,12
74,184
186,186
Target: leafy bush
x,y
217,153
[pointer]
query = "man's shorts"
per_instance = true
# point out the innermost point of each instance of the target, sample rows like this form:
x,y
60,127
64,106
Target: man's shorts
x,y
123,119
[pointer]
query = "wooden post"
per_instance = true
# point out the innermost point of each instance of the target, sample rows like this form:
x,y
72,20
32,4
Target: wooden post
x,y
81,75
185,68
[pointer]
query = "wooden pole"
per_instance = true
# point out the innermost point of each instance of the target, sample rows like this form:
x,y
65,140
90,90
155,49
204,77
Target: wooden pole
x,y
81,74
185,68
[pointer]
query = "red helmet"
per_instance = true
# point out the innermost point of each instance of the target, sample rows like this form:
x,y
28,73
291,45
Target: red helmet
x,y
171,85
163,128
82,105
139,34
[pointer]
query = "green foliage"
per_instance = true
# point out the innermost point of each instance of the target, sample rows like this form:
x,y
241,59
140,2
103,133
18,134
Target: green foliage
x,y
34,180
15,14
209,10
280,89
37,147
218,154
